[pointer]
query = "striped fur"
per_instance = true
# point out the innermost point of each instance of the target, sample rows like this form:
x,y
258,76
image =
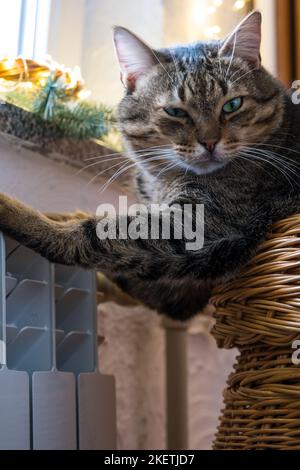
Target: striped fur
x,y
252,181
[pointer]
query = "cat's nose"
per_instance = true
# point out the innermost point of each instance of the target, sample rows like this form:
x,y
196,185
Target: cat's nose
x,y
209,145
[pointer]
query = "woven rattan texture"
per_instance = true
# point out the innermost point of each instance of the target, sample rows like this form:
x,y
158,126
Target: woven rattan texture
x,y
259,313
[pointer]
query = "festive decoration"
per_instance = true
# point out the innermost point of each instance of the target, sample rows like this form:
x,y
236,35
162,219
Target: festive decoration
x,y
20,70
56,94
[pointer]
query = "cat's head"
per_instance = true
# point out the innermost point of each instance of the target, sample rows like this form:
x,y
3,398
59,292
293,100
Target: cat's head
x,y
203,104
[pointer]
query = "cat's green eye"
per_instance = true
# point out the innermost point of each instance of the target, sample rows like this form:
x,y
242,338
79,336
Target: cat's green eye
x,y
176,112
232,105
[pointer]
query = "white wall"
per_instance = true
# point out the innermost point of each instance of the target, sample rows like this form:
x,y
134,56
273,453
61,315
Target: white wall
x,y
65,37
188,20
80,33
99,65
268,45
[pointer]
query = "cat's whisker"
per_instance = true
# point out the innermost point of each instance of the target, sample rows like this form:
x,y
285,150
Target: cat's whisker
x,y
236,73
245,156
280,161
279,134
120,153
232,55
280,147
162,159
128,160
169,167
281,158
99,162
125,168
159,61
122,157
272,163
163,170
263,160
166,165
100,173
116,175
154,168
242,76
284,165
257,163
94,157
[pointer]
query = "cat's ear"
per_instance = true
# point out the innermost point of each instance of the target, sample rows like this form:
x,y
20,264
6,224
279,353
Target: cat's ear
x,y
134,56
244,41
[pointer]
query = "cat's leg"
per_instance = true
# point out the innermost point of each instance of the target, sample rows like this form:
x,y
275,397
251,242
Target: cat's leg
x,y
145,259
67,216
138,264
58,241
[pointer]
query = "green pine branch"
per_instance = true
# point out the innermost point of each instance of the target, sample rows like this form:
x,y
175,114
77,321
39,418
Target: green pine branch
x,y
77,119
52,94
83,120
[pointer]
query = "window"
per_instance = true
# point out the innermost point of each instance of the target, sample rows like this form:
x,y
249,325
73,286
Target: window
x,y
24,28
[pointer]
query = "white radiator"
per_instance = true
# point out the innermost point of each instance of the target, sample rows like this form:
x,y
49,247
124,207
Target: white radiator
x,y
52,395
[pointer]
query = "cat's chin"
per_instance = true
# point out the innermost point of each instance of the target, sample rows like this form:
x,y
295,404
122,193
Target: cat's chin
x,y
205,167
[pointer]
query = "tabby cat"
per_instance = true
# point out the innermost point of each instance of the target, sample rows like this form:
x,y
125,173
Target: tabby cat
x,y
204,123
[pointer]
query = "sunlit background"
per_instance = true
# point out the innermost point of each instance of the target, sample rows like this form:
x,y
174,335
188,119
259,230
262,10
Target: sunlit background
x,y
78,32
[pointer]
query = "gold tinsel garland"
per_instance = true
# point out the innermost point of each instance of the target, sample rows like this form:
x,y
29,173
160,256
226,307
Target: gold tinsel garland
x,y
22,71
57,94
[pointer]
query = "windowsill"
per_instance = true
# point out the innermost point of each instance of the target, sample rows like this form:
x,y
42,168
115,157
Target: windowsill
x,y
24,129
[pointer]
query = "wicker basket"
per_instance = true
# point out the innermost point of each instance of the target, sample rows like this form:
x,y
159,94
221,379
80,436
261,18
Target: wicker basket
x,y
259,313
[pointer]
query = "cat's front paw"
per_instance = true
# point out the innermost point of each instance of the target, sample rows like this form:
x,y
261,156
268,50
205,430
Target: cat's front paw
x,y
14,215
